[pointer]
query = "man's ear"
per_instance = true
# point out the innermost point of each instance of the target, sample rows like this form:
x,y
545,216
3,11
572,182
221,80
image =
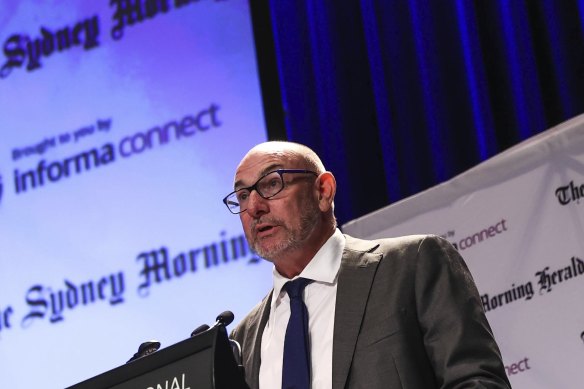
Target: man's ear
x,y
326,187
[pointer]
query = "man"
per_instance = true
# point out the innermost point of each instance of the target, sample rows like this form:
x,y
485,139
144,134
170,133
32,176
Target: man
x,y
391,313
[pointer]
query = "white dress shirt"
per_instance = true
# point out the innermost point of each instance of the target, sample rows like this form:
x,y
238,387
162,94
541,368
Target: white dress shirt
x,y
320,297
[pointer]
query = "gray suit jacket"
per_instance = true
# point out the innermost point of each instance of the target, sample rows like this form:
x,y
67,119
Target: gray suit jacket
x,y
407,315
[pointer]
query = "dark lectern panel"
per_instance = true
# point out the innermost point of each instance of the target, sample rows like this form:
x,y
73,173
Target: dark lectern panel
x,y
204,361
178,375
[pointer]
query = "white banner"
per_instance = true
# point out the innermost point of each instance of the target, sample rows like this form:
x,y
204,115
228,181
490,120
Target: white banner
x,y
518,220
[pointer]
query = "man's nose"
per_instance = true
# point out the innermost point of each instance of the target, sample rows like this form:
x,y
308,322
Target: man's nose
x,y
256,204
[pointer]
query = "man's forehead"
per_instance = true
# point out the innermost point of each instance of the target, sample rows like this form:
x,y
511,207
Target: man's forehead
x,y
257,163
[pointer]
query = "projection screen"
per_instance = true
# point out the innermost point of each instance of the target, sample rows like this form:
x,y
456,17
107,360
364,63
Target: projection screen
x,y
121,124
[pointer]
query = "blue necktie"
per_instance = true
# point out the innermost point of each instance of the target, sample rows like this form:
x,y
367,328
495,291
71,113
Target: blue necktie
x,y
296,363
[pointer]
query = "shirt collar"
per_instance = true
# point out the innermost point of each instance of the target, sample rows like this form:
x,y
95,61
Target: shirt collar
x,y
323,267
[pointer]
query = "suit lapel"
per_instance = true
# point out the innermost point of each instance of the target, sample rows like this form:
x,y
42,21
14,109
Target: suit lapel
x,y
254,342
356,275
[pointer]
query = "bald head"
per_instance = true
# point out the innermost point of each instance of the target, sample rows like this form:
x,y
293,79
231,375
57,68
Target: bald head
x,y
292,152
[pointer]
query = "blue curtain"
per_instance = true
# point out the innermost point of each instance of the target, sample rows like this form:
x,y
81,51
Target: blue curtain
x,y
398,96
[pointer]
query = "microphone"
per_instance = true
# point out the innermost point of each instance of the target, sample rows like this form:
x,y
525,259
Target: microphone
x,y
145,348
224,319
200,329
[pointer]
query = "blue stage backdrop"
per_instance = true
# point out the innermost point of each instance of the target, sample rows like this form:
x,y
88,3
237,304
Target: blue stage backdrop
x,y
398,96
121,125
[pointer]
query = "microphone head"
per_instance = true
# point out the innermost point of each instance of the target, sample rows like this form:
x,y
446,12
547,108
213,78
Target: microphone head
x,y
148,347
199,329
225,318
145,348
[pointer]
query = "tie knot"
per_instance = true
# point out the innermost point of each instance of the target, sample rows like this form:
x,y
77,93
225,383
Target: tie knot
x,y
295,288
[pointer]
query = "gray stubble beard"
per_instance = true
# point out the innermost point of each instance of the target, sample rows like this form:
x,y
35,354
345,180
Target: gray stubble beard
x,y
294,241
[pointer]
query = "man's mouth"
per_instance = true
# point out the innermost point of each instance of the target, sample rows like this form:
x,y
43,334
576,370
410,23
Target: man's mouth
x,y
264,229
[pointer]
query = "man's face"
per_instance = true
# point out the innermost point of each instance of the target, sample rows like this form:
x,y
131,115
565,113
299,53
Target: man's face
x,y
285,222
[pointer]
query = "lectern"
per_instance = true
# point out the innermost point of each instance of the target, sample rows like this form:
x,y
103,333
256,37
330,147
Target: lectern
x,y
204,361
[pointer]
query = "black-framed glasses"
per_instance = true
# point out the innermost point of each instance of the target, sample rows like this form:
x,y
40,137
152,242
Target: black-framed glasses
x,y
269,185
